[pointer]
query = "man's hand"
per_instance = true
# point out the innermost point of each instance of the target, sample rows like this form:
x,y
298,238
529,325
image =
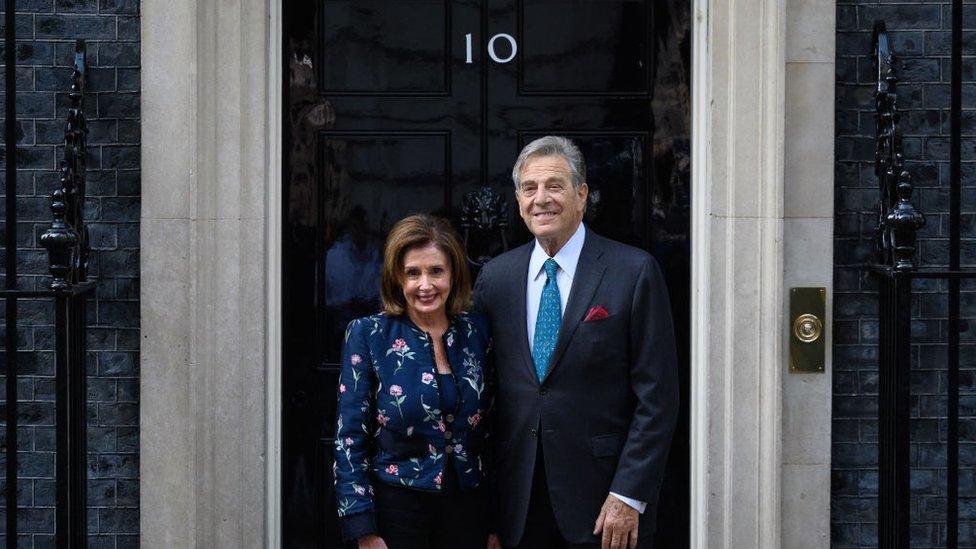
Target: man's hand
x,y
371,541
618,522
494,542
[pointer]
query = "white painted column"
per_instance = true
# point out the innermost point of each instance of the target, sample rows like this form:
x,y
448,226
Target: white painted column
x,y
204,174
763,183
737,265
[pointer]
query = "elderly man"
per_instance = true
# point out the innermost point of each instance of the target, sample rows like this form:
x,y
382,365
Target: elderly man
x,y
586,369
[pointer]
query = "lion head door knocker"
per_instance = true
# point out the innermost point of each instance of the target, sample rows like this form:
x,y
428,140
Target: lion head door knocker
x,y
484,219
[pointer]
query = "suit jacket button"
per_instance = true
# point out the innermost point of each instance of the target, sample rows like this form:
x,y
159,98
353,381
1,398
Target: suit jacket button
x,y
534,433
543,392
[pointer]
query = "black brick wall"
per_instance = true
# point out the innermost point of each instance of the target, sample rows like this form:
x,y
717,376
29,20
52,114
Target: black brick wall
x,y
920,33
46,30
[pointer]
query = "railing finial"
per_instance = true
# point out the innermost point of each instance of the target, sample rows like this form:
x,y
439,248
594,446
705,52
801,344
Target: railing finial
x,y
898,220
67,238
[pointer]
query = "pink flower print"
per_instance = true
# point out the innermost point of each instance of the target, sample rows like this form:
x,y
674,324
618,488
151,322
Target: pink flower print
x,y
427,377
392,469
342,387
348,441
474,420
359,489
381,419
396,391
458,449
441,427
437,479
402,352
450,340
431,449
355,359
410,430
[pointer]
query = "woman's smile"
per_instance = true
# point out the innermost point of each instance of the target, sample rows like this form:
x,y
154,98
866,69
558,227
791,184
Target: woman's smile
x,y
426,281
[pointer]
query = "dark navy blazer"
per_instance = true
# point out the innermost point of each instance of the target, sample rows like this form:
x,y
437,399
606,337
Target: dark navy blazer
x,y
605,411
391,427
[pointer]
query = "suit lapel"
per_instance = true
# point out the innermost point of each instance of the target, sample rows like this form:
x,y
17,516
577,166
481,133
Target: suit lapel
x,y
589,273
519,279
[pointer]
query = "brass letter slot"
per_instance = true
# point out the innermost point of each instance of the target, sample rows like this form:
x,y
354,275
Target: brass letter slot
x,y
807,312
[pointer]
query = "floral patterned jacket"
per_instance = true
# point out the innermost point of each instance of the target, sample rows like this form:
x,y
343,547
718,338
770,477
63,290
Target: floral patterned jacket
x,y
390,426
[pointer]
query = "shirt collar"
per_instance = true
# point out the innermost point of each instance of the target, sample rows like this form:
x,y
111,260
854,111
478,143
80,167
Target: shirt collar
x,y
567,257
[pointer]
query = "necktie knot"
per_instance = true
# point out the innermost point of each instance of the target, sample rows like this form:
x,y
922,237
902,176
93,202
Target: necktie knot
x,y
551,267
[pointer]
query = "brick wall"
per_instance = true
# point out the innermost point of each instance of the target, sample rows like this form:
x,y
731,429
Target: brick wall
x,y
46,30
920,33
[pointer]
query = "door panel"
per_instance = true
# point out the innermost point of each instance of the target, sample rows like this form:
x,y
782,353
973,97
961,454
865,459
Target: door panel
x,y
608,38
385,116
365,45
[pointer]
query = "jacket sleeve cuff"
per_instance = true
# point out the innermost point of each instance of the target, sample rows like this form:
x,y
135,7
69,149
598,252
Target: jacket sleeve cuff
x,y
358,525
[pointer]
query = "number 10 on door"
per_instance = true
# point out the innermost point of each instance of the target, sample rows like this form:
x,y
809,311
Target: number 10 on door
x,y
491,48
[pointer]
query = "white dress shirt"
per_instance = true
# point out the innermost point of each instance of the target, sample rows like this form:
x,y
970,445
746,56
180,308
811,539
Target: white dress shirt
x,y
567,257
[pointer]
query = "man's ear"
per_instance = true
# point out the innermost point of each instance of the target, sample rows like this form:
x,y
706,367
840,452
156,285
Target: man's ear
x,y
584,193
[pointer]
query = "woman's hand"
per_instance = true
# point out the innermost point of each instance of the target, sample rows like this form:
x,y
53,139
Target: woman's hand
x,y
372,541
494,542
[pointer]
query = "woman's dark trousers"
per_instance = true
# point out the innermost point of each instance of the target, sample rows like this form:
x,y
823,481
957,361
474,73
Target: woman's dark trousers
x,y
449,519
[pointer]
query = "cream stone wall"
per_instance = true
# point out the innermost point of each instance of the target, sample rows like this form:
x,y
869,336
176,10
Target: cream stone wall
x,y
762,169
808,261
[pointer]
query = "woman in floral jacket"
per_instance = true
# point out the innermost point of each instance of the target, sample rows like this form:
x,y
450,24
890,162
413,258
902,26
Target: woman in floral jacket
x,y
413,397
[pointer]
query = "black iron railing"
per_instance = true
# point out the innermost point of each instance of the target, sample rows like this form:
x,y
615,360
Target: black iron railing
x,y
67,243
895,269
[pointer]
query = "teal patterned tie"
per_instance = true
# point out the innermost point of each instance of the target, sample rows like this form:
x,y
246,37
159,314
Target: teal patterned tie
x,y
548,321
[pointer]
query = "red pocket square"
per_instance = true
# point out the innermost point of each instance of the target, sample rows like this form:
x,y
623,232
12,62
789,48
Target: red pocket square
x,y
596,313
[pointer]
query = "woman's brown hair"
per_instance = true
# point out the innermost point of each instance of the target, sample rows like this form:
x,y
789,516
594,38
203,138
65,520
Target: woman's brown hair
x,y
417,231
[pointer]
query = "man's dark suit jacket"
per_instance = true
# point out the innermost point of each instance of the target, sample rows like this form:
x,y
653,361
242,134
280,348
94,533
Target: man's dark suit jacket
x,y
607,407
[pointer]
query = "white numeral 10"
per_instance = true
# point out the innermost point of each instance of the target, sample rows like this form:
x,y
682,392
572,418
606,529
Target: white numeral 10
x,y
468,55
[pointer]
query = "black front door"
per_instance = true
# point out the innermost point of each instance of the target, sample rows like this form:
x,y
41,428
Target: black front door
x,y
397,107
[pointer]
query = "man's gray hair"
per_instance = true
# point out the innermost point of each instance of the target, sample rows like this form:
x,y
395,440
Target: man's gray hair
x,y
552,145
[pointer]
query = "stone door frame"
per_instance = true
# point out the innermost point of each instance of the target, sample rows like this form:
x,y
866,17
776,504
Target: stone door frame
x,y
210,291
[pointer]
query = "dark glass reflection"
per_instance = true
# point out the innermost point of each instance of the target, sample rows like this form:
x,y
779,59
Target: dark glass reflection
x,y
384,116
352,275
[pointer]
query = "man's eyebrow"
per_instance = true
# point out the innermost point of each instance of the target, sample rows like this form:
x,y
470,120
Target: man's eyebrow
x,y
548,180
